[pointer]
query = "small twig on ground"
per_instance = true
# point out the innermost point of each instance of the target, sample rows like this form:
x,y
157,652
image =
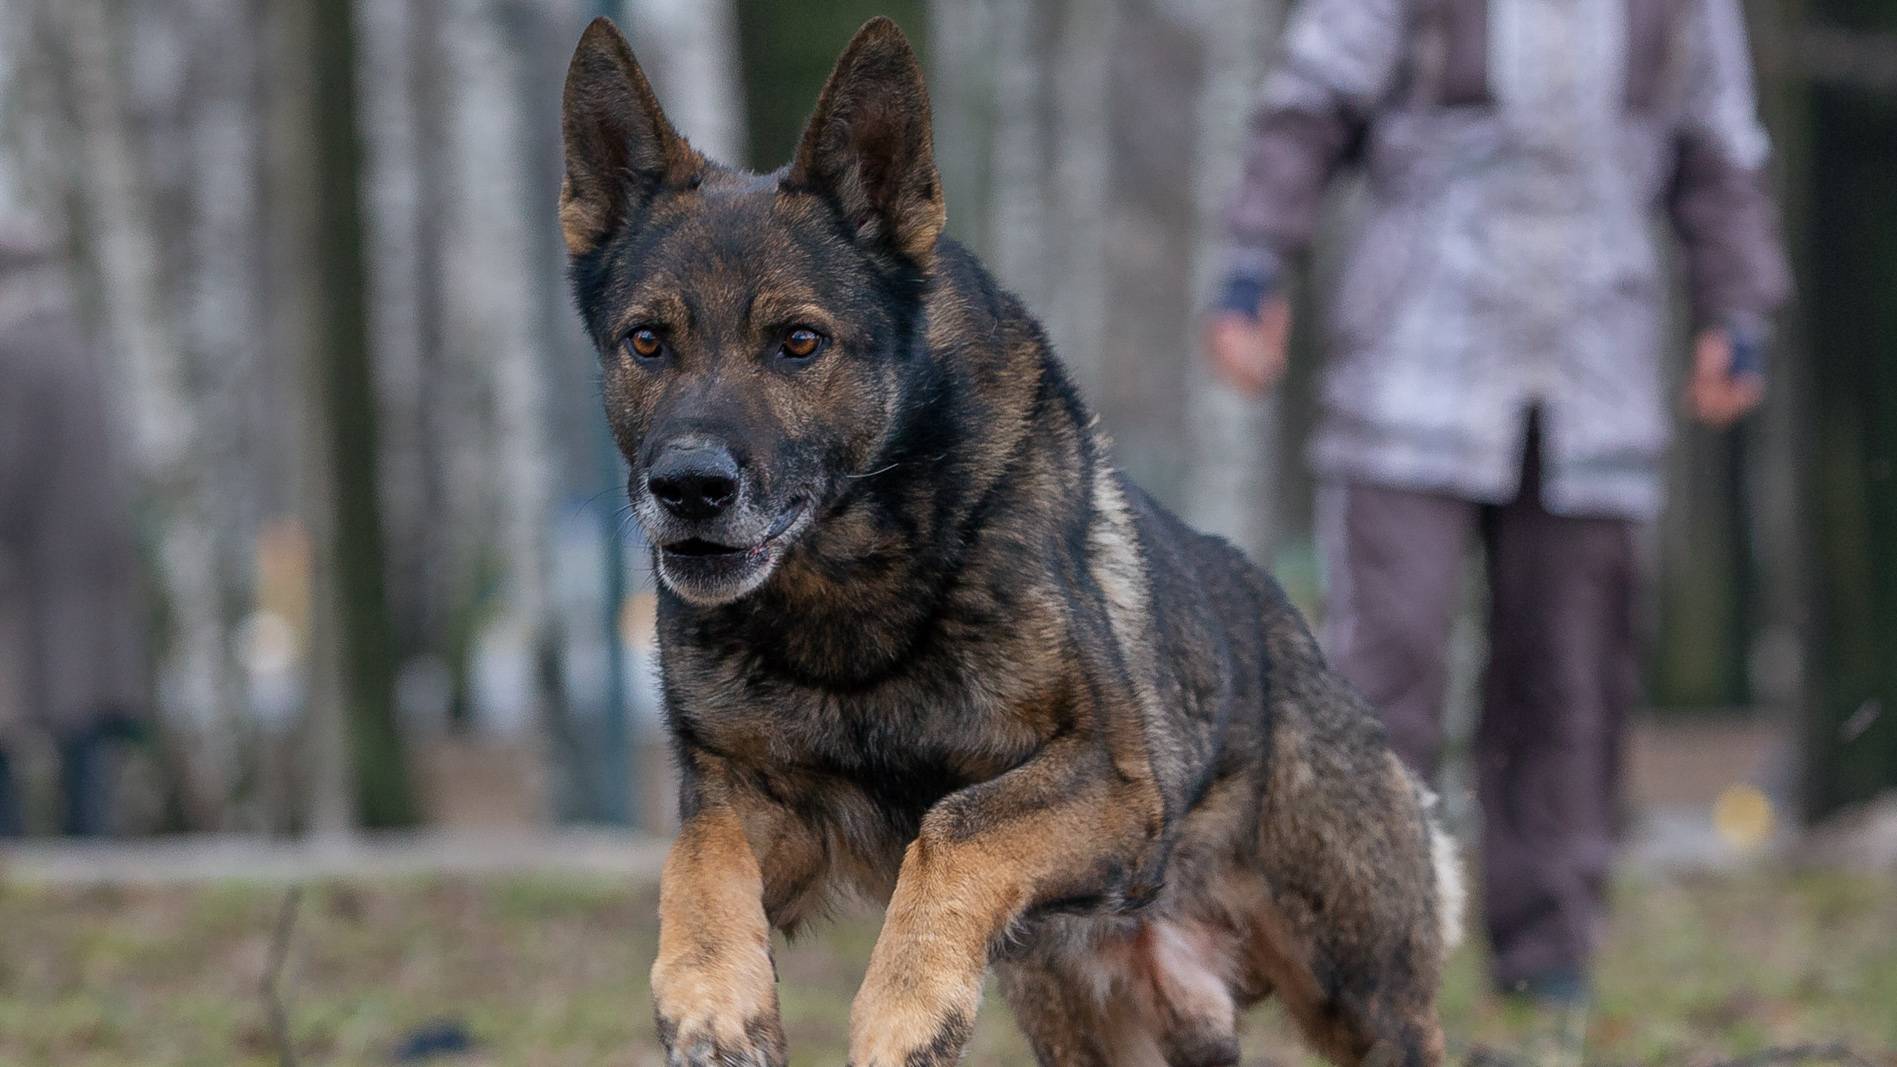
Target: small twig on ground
x,y
1486,1057
273,975
1835,1052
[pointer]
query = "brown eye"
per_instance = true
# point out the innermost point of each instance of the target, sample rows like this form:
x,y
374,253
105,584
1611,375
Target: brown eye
x,y
644,342
802,343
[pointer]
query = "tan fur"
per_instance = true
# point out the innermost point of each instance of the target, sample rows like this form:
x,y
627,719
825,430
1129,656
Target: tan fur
x,y
959,893
581,221
713,980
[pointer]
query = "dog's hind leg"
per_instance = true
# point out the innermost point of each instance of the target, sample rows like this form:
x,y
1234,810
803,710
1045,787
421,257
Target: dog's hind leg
x,y
1155,998
1180,970
1349,926
1071,1023
1356,904
1355,1011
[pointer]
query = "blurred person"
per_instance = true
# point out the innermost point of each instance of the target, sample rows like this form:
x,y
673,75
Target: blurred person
x,y
1497,351
71,614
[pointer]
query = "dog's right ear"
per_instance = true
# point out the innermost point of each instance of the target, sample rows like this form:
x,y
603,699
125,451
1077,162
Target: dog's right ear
x,y
620,148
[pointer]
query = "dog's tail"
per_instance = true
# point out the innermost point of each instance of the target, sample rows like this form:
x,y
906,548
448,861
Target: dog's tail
x,y
1452,892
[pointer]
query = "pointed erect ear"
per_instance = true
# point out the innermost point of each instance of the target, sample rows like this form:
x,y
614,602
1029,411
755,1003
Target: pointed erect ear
x,y
620,149
868,144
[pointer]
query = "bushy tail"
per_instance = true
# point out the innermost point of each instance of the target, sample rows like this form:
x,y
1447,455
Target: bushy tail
x,y
1452,892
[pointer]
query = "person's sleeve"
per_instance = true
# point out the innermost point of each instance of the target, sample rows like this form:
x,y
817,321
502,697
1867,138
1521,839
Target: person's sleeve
x,y
1720,201
1340,58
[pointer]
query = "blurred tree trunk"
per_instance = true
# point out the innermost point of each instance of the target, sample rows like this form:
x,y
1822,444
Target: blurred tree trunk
x,y
199,692
1851,744
1696,663
1112,143
1080,139
1157,72
348,403
1234,439
222,323
961,71
323,784
690,50
1017,245
436,561
402,117
497,448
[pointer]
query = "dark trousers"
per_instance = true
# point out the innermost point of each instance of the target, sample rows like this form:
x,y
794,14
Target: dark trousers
x,y
12,821
1562,671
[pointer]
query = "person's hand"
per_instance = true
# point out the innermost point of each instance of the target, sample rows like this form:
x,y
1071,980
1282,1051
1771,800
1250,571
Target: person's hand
x,y
1715,395
1249,353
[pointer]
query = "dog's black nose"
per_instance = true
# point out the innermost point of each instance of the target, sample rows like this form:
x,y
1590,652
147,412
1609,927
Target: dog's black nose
x,y
694,483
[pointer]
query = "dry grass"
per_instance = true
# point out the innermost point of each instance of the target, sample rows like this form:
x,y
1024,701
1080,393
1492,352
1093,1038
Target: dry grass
x,y
547,972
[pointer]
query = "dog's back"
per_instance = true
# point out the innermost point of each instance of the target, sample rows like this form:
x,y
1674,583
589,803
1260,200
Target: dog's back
x,y
1306,860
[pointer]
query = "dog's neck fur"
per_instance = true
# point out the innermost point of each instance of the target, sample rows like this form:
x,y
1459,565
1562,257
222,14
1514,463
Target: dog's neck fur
x,y
918,518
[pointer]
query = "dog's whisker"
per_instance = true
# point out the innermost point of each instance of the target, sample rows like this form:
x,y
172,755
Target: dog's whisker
x,y
874,473
591,500
628,518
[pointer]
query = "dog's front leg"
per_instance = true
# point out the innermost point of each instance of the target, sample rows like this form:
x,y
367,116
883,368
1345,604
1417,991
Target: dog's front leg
x,y
1061,826
714,987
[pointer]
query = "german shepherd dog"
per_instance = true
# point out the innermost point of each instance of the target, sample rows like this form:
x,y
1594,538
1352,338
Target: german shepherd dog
x,y
922,642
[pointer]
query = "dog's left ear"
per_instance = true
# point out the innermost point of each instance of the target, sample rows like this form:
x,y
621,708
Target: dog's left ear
x,y
869,145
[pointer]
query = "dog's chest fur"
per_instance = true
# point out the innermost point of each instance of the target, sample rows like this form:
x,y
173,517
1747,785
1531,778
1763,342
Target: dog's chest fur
x,y
968,704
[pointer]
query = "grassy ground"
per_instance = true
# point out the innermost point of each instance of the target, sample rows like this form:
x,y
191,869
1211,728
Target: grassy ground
x,y
548,972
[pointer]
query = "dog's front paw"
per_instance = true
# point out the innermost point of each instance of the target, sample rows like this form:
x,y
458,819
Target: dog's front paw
x,y
699,1042
912,1031
720,1012
906,1047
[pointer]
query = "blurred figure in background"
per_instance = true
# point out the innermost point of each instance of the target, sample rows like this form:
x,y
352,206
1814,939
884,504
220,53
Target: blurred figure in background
x,y
71,616
1497,358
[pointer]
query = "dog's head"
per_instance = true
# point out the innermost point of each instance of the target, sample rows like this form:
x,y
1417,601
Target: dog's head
x,y
755,331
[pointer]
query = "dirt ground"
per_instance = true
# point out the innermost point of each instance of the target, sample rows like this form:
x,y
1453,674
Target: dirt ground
x,y
550,970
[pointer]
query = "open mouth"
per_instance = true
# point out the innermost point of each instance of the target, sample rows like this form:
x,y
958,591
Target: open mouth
x,y
698,548
711,572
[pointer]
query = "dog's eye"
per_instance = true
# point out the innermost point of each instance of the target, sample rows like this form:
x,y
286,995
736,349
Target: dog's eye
x,y
802,342
644,343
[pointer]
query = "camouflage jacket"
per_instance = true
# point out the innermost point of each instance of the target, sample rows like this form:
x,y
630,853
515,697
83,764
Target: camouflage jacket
x,y
1520,159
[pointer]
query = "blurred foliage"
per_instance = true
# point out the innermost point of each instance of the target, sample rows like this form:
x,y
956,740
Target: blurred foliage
x,y
785,53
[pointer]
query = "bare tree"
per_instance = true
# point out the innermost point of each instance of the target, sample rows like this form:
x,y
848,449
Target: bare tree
x,y
1233,439
199,692
1106,139
1080,184
692,47
962,65
347,398
1017,239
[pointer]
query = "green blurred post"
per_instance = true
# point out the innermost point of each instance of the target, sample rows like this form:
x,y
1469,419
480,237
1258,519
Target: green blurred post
x,y
364,635
1850,253
786,52
614,803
